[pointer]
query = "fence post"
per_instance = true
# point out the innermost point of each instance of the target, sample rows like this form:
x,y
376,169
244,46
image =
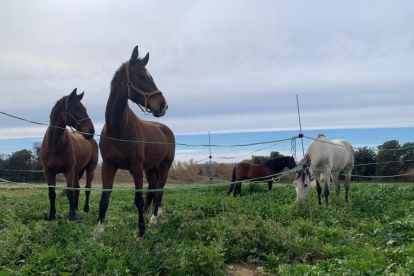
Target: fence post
x,y
211,165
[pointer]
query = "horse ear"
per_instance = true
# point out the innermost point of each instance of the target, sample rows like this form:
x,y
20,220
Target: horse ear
x,y
73,94
80,96
145,59
134,55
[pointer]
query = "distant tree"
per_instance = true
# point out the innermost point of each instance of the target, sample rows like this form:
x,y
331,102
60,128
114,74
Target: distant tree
x,y
37,163
407,153
365,155
261,159
19,160
389,151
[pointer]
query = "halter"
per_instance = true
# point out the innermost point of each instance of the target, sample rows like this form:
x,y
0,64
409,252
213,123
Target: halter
x,y
78,122
146,95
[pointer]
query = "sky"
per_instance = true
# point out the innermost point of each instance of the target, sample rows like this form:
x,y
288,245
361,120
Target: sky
x,y
232,68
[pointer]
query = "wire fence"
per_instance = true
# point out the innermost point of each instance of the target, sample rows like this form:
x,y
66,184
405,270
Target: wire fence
x,y
195,185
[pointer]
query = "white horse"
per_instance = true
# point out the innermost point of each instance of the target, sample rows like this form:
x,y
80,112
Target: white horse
x,y
328,157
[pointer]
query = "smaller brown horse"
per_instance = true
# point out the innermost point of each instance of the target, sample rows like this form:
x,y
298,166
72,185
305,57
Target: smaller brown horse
x,y
262,172
69,153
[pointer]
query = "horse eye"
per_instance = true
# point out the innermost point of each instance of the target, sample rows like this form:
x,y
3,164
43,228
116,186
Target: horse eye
x,y
141,77
77,108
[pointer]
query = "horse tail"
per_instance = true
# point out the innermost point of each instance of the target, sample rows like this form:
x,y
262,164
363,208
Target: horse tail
x,y
81,172
233,179
149,196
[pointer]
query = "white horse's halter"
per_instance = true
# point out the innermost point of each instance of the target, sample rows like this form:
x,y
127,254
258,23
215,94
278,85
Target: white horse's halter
x,y
78,122
145,94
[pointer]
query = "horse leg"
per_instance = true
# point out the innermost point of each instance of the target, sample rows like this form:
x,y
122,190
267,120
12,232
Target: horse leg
x,y
163,169
239,186
51,182
270,185
230,189
151,176
318,186
108,175
236,189
335,178
76,192
90,173
327,178
137,173
70,179
233,179
347,183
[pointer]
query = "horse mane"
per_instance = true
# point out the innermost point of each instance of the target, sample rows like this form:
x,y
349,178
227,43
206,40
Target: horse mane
x,y
276,161
306,160
56,104
120,72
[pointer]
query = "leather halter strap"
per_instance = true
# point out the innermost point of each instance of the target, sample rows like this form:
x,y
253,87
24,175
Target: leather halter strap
x,y
145,94
78,122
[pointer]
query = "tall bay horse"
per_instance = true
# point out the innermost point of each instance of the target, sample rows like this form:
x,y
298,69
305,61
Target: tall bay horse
x,y
327,156
69,153
245,171
133,82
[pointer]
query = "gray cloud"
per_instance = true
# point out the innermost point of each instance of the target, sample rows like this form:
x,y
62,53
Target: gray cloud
x,y
222,66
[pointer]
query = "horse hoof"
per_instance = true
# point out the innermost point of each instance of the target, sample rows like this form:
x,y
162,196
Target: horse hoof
x,y
140,239
153,222
159,211
98,230
50,218
86,209
72,218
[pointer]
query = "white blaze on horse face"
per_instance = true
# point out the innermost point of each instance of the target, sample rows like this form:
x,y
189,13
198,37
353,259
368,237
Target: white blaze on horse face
x,y
302,188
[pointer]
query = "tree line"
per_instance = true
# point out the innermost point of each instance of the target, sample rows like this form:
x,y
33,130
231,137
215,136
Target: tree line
x,y
390,158
15,167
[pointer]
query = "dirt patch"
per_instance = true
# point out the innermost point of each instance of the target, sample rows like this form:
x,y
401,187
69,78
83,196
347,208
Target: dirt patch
x,y
241,270
315,257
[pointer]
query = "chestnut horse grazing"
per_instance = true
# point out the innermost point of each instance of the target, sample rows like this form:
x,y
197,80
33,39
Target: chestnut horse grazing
x,y
133,82
245,171
69,153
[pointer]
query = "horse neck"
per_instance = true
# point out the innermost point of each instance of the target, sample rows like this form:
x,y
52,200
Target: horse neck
x,y
56,136
118,114
278,166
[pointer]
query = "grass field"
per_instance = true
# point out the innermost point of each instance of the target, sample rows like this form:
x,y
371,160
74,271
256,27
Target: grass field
x,y
203,232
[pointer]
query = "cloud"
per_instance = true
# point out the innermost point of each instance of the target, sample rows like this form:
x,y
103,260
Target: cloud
x,y
222,67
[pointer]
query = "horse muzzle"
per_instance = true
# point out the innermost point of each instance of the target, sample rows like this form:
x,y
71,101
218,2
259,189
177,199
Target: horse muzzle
x,y
89,136
162,110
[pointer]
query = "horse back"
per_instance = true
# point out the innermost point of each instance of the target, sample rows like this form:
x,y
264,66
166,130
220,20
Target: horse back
x,y
250,171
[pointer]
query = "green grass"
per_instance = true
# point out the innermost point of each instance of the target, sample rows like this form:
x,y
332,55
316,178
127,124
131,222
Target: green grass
x,y
203,230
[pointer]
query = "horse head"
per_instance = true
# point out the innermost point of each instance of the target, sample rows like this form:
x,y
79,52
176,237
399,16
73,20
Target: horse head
x,y
142,89
76,115
303,180
291,163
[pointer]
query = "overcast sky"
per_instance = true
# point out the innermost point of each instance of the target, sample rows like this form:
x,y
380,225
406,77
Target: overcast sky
x,y
223,66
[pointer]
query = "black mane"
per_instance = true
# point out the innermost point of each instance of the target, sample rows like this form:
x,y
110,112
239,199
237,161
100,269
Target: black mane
x,y
277,160
121,71
56,104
